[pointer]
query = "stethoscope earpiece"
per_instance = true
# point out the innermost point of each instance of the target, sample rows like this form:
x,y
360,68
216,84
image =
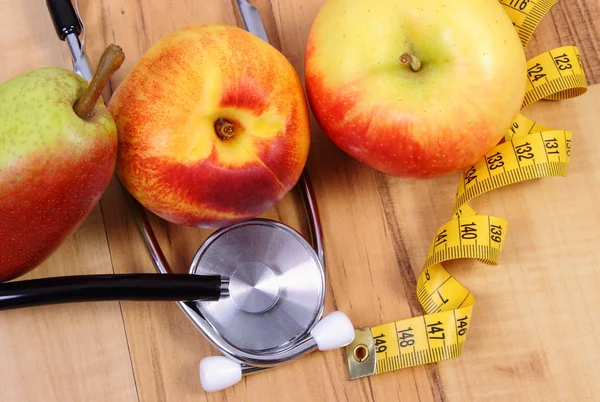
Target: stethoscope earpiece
x,y
255,289
334,331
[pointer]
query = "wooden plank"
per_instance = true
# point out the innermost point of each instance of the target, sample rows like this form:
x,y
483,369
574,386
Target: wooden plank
x,y
532,337
572,22
67,352
410,225
529,338
165,347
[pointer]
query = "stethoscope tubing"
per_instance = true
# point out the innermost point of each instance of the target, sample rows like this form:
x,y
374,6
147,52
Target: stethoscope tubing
x,y
250,362
94,288
147,287
68,26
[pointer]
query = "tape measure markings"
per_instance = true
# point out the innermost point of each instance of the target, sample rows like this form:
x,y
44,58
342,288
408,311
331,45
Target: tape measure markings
x,y
526,15
521,159
554,75
450,294
485,254
524,173
530,151
420,340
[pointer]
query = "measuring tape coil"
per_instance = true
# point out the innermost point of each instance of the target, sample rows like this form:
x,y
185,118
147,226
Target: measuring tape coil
x,y
529,151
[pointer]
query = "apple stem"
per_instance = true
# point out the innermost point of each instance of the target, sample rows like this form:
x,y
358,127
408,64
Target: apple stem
x,y
408,59
111,60
224,129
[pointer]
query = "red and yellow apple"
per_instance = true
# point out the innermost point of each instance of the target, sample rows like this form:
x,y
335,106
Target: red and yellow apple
x,y
373,99
213,126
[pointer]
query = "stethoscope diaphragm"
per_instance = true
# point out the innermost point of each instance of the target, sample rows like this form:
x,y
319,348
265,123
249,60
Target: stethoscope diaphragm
x,y
276,284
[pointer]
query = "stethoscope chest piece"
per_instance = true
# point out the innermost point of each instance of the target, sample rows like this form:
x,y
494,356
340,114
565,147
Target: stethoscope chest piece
x,y
273,277
277,285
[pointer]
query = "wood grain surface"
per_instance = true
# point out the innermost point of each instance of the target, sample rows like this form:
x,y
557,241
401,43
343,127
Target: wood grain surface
x,y
534,333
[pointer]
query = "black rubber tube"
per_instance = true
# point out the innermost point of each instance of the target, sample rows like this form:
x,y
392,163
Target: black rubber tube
x,y
85,288
64,18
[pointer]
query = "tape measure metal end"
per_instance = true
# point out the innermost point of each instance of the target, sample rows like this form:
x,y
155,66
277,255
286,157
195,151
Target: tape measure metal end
x,y
362,360
530,151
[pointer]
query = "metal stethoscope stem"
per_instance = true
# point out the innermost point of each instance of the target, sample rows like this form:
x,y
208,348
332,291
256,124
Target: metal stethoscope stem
x,y
327,333
159,260
252,362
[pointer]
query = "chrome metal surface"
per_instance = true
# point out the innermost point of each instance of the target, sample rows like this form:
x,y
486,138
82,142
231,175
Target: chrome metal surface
x,y
361,355
251,19
74,46
312,212
81,64
251,360
247,370
253,24
145,229
277,284
254,287
225,287
83,32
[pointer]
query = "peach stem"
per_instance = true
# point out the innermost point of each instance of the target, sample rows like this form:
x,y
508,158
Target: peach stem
x,y
224,129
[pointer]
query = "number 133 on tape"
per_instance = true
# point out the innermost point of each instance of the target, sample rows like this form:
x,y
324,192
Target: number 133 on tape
x,y
529,151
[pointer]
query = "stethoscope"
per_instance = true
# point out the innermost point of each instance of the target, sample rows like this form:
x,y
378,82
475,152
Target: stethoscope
x,y
255,289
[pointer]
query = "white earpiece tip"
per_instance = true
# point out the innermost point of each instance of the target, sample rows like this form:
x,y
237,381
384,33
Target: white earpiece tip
x,y
218,373
333,331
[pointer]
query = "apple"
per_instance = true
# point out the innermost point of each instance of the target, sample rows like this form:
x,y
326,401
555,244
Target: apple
x,y
213,126
58,147
414,88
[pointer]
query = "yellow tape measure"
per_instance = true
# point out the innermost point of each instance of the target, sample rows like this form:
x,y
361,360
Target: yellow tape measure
x,y
526,15
529,151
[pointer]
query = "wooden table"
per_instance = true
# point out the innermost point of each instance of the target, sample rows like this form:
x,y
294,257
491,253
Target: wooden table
x,y
535,333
